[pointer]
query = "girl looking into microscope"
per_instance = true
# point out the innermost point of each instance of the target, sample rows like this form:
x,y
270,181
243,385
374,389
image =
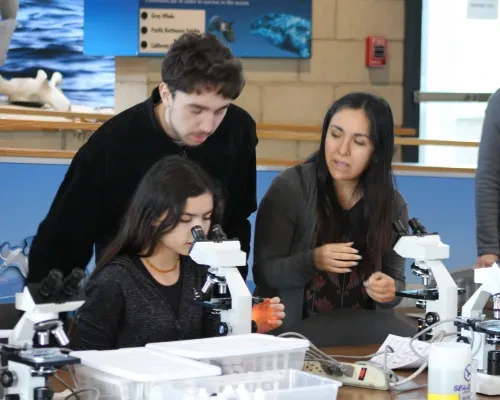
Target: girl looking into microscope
x,y
323,236
142,289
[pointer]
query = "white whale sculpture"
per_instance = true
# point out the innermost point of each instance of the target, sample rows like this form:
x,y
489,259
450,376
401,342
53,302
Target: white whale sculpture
x,y
37,90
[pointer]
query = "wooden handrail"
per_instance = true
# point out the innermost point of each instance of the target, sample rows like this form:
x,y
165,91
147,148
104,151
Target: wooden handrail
x,y
270,162
434,142
306,137
397,166
398,131
74,115
36,153
102,117
17,125
42,125
312,137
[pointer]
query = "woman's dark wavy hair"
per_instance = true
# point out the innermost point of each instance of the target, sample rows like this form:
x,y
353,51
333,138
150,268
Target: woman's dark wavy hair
x,y
164,189
376,182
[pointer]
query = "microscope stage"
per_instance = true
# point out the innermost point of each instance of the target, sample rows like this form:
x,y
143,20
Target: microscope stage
x,y
43,357
423,294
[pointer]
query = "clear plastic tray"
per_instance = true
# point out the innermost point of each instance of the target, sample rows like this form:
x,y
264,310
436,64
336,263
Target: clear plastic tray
x,y
240,353
286,384
134,373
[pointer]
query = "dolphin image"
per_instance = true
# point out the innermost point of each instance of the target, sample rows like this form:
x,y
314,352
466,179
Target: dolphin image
x,y
8,24
15,257
287,32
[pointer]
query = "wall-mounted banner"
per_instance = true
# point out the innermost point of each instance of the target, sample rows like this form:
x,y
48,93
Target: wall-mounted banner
x,y
251,28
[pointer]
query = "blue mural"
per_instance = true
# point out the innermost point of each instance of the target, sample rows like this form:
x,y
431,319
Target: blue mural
x,y
13,269
49,36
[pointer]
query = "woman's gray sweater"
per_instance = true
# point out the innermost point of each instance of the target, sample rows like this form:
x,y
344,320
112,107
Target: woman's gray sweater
x,y
284,241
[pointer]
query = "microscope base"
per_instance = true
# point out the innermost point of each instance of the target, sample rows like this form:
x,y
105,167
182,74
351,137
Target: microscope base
x,y
488,384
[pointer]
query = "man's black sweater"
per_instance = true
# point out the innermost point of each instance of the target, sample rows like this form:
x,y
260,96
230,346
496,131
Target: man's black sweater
x,y
105,172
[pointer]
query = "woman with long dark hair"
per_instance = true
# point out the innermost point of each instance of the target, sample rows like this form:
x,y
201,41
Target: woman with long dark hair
x,y
142,289
323,236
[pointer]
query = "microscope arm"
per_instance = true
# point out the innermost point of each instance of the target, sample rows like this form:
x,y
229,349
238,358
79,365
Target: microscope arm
x,y
441,275
489,278
474,307
23,332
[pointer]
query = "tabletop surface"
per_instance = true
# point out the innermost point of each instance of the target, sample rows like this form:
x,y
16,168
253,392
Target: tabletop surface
x,y
354,393
346,392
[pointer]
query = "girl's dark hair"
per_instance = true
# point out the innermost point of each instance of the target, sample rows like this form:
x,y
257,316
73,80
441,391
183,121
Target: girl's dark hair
x,y
164,189
376,182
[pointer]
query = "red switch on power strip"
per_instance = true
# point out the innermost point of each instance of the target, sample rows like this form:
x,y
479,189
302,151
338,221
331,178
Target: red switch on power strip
x,y
376,51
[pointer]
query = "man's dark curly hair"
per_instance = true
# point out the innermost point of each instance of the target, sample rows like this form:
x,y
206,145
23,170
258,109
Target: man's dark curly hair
x,y
200,61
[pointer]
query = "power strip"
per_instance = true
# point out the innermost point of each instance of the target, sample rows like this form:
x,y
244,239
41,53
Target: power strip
x,y
359,375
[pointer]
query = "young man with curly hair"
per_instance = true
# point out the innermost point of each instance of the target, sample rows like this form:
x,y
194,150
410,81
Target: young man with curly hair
x,y
191,114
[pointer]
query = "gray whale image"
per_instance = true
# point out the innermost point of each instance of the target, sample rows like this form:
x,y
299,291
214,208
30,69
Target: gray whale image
x,y
287,32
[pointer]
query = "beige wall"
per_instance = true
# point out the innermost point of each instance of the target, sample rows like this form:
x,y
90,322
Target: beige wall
x,y
299,92
296,92
280,91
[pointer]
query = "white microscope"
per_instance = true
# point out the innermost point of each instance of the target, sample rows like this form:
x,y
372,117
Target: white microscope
x,y
224,290
29,367
484,334
427,250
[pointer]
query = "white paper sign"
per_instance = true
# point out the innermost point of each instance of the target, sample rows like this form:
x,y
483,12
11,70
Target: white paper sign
x,y
160,28
482,9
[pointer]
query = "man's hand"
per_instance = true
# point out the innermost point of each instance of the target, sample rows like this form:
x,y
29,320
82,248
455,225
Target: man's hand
x,y
268,315
486,260
336,257
381,287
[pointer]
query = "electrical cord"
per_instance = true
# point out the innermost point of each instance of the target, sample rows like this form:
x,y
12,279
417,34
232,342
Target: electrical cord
x,y
80,391
315,354
75,392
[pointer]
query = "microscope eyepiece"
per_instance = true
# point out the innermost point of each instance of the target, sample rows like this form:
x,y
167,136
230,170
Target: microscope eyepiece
x,y
198,233
399,228
72,281
217,232
417,227
52,283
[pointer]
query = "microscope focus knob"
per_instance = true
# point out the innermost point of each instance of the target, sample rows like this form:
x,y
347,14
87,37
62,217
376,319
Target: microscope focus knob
x,y
223,329
431,318
463,339
44,393
8,378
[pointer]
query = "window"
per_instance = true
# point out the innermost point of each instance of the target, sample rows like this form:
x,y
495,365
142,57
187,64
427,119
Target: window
x,y
459,55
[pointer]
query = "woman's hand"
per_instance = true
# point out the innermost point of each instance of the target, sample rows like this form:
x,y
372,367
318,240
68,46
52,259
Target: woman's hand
x,y
486,260
268,315
336,257
381,287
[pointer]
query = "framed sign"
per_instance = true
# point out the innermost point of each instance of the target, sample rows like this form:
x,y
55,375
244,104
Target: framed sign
x,y
251,28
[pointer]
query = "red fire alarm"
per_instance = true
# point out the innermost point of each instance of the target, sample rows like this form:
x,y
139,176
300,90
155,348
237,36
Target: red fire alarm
x,y
376,51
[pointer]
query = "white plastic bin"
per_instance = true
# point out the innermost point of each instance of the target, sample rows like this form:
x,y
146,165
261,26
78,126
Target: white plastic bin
x,y
133,373
240,353
266,385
